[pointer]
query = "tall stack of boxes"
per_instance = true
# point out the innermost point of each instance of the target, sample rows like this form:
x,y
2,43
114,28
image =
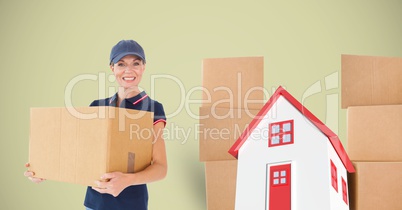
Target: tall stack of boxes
x,y
372,94
232,95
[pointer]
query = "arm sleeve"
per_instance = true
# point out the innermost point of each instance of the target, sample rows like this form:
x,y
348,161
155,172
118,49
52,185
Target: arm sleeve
x,y
94,103
159,113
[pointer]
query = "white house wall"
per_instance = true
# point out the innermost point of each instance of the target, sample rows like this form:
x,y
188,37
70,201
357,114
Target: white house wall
x,y
308,156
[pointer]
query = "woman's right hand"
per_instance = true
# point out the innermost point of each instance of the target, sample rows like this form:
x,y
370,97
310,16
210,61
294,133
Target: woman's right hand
x,y
30,175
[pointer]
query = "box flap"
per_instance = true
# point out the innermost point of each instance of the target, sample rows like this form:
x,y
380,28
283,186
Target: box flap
x,y
131,136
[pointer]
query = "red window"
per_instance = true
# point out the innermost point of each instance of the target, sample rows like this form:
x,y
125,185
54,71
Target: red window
x,y
344,191
334,176
280,133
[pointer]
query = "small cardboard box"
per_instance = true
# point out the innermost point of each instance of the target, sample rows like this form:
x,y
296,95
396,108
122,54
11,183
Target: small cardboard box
x,y
219,129
376,185
233,82
78,145
371,80
220,178
374,133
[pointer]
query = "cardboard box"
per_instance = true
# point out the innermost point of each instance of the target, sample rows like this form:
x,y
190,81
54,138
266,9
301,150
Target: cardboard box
x,y
374,133
78,145
220,178
219,129
233,82
376,185
371,80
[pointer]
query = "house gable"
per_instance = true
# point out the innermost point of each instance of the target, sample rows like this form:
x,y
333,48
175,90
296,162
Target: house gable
x,y
333,138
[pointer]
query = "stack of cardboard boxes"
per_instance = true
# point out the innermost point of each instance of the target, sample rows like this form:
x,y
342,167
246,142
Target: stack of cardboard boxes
x,y
372,94
232,95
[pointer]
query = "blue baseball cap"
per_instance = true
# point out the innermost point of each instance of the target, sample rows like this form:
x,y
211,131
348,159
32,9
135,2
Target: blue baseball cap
x,y
126,47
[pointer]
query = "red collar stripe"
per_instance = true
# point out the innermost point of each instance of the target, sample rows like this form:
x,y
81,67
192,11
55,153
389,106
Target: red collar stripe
x,y
139,100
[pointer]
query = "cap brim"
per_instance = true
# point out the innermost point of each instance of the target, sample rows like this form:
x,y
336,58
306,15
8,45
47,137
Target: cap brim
x,y
121,55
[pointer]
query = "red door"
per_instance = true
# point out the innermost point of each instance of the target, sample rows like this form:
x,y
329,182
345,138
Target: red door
x,y
279,187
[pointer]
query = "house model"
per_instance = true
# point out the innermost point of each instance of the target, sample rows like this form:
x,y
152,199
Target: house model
x,y
288,159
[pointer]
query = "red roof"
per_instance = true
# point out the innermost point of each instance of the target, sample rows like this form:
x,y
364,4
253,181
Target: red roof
x,y
333,138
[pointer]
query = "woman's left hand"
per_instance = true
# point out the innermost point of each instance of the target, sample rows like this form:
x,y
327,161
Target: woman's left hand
x,y
113,183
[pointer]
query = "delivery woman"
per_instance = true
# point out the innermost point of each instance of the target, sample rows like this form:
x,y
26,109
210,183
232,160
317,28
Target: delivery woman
x,y
117,190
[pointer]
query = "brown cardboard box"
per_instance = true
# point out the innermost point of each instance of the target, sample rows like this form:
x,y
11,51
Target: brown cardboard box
x,y
233,82
220,177
371,80
376,185
219,129
375,133
78,145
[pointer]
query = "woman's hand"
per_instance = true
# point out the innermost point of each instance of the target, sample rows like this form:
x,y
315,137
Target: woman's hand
x,y
113,183
30,175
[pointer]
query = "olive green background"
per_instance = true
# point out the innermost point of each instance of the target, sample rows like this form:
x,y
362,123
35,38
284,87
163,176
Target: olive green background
x,y
46,45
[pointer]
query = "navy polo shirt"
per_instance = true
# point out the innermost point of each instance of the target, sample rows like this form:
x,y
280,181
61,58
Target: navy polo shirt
x,y
133,197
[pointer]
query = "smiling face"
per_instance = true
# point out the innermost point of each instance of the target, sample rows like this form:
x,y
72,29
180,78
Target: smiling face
x,y
128,72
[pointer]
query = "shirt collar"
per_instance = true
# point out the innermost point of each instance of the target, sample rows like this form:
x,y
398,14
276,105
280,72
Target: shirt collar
x,y
134,100
112,100
138,98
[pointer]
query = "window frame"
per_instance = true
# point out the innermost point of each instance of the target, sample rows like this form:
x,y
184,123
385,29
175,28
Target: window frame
x,y
281,133
344,191
334,175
